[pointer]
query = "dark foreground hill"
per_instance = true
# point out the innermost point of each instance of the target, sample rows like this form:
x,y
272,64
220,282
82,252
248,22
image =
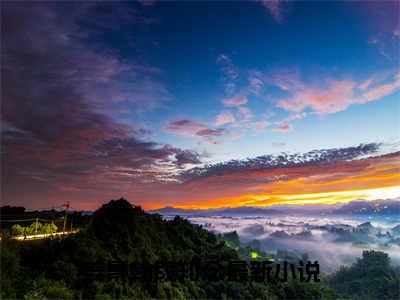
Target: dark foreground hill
x,y
50,269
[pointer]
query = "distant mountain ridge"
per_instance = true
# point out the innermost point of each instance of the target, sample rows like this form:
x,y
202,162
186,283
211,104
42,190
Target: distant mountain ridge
x,y
356,207
244,210
381,207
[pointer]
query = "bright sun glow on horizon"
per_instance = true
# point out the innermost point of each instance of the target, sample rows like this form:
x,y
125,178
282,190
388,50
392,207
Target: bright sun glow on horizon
x,y
264,200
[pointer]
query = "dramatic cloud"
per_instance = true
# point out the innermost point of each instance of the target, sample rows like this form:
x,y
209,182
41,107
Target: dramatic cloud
x,y
187,157
320,176
225,117
191,128
331,95
379,91
207,132
268,162
59,131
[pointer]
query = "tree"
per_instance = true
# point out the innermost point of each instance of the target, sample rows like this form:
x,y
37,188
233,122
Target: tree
x,y
370,277
34,228
49,228
17,229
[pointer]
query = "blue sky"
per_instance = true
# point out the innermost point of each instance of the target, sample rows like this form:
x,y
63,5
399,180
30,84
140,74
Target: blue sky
x,y
317,40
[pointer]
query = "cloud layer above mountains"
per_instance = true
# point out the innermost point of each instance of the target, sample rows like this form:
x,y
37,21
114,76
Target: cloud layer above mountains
x,y
333,241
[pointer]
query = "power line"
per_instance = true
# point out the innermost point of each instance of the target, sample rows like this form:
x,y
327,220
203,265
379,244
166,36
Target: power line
x,y
26,220
21,220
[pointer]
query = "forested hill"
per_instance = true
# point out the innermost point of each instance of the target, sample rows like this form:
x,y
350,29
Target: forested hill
x,y
119,231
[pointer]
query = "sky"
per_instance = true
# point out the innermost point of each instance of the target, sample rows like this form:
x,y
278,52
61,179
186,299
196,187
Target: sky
x,y
199,104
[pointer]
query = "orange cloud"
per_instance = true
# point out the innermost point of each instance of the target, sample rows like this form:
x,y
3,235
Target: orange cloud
x,y
370,178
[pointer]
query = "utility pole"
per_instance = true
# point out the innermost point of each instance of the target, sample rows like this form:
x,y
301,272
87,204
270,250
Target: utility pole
x,y
65,216
36,224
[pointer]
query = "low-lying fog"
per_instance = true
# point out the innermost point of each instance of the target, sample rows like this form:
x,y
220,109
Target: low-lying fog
x,y
333,241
